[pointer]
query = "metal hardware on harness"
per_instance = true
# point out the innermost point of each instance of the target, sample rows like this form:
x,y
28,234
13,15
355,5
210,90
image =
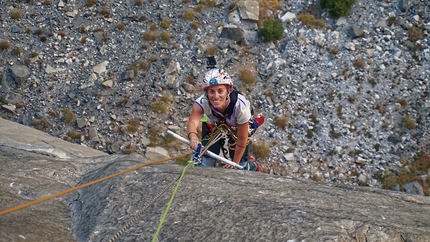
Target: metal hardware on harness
x,y
197,156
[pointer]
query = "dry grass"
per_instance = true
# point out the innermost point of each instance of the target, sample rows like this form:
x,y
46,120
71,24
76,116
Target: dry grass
x,y
194,25
138,2
211,50
260,150
143,65
165,23
17,51
415,33
39,31
165,37
359,63
153,27
62,34
189,14
133,126
105,12
149,36
246,75
272,5
15,14
4,45
120,26
409,122
152,58
48,2
91,3
281,121
128,149
68,115
402,102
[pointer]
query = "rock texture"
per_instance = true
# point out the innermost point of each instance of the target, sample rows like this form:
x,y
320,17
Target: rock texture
x,y
212,204
115,75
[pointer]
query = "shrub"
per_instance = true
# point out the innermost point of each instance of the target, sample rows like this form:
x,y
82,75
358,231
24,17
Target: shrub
x,y
392,20
68,115
159,106
313,118
149,36
272,30
338,8
17,51
306,19
91,3
359,63
199,8
39,31
260,150
415,33
52,113
138,2
211,50
402,102
190,37
409,123
339,110
194,25
165,23
143,65
309,134
43,38
153,136
83,30
377,147
165,36
48,2
105,12
152,58
246,76
189,14
62,34
128,149
84,39
153,27
334,134
4,45
133,126
15,14
120,26
281,121
74,135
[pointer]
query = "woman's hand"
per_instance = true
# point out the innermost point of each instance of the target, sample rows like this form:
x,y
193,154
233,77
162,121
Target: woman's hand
x,y
194,144
229,166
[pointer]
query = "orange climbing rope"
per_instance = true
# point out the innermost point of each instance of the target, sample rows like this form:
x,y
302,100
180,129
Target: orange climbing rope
x,y
11,210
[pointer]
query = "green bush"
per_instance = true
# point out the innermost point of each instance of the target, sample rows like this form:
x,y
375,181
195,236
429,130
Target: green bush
x,y
272,30
337,8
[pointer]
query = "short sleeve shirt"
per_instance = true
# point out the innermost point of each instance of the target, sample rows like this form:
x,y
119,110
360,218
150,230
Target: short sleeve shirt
x,y
241,111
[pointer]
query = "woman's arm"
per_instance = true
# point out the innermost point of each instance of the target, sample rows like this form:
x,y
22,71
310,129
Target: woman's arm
x,y
241,142
193,123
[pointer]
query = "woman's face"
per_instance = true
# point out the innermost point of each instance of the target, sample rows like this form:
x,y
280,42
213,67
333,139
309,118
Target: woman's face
x,y
217,96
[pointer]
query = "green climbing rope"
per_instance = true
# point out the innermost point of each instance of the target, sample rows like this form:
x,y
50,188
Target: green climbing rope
x,y
154,239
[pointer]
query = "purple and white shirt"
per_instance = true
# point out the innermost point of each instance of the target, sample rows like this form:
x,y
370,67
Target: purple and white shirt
x,y
241,111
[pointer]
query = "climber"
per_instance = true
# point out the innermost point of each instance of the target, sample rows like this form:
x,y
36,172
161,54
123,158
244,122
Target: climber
x,y
222,104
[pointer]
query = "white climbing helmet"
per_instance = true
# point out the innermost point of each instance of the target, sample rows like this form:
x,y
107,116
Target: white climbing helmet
x,y
215,77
